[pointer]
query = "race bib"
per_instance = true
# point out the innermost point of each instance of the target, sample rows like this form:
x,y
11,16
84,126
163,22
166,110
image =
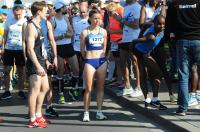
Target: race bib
x,y
96,41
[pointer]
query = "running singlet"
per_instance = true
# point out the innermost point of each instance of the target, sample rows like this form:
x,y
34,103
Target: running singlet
x,y
14,39
94,41
148,46
44,28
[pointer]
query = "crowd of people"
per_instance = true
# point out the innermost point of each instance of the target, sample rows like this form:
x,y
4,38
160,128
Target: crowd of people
x,y
93,41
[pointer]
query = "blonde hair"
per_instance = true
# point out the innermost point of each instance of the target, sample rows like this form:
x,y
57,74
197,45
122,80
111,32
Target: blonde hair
x,y
112,7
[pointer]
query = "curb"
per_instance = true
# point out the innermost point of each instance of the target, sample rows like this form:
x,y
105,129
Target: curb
x,y
125,103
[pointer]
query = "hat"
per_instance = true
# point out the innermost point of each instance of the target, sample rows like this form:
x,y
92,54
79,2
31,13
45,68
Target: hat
x,y
116,0
58,5
18,3
65,2
49,2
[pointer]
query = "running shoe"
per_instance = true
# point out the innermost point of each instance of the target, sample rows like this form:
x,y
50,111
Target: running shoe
x,y
136,92
22,95
51,112
125,91
192,100
180,113
6,95
158,105
172,98
74,94
100,116
43,119
36,124
61,99
86,117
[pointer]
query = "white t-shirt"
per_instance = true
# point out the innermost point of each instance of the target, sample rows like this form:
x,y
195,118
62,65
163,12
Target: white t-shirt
x,y
79,24
14,38
131,13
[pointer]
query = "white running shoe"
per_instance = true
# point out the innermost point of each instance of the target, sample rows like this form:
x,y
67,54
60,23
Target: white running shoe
x,y
100,116
86,117
136,92
125,91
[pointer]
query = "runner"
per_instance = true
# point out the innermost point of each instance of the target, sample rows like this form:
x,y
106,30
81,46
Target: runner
x,y
94,40
13,53
38,79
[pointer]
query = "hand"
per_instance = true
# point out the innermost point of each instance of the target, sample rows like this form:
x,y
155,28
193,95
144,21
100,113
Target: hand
x,y
55,63
41,71
117,16
49,65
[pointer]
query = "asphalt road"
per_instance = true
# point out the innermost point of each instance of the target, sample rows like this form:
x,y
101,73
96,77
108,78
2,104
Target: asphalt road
x,y
70,118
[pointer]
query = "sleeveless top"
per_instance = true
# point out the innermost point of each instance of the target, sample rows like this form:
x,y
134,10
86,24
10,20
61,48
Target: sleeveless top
x,y
38,47
60,28
150,45
94,41
149,13
14,39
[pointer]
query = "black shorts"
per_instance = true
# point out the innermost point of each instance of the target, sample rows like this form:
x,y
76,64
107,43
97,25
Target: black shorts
x,y
79,56
31,69
65,51
115,53
125,46
12,57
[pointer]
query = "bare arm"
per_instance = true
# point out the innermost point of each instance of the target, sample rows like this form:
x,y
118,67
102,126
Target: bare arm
x,y
70,32
147,38
134,24
142,19
24,38
105,40
52,42
82,43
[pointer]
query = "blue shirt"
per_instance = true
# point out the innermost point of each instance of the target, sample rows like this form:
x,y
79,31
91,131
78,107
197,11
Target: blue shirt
x,y
150,45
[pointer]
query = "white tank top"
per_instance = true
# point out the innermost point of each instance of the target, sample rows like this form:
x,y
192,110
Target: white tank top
x,y
60,28
149,13
14,39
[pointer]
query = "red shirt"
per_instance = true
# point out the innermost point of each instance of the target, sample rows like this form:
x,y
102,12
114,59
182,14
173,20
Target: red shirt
x,y
116,25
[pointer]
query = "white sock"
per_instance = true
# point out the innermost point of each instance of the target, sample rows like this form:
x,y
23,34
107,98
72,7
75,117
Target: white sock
x,y
38,114
111,67
86,112
33,119
193,94
198,92
148,100
154,99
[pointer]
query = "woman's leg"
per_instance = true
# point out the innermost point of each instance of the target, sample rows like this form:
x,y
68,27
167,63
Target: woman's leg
x,y
89,72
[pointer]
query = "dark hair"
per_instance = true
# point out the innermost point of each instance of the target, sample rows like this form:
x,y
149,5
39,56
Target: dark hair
x,y
37,6
4,7
18,2
92,12
157,17
93,1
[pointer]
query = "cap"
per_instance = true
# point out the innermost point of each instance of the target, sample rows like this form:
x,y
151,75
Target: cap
x,y
58,5
116,0
18,3
65,2
49,2
3,11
